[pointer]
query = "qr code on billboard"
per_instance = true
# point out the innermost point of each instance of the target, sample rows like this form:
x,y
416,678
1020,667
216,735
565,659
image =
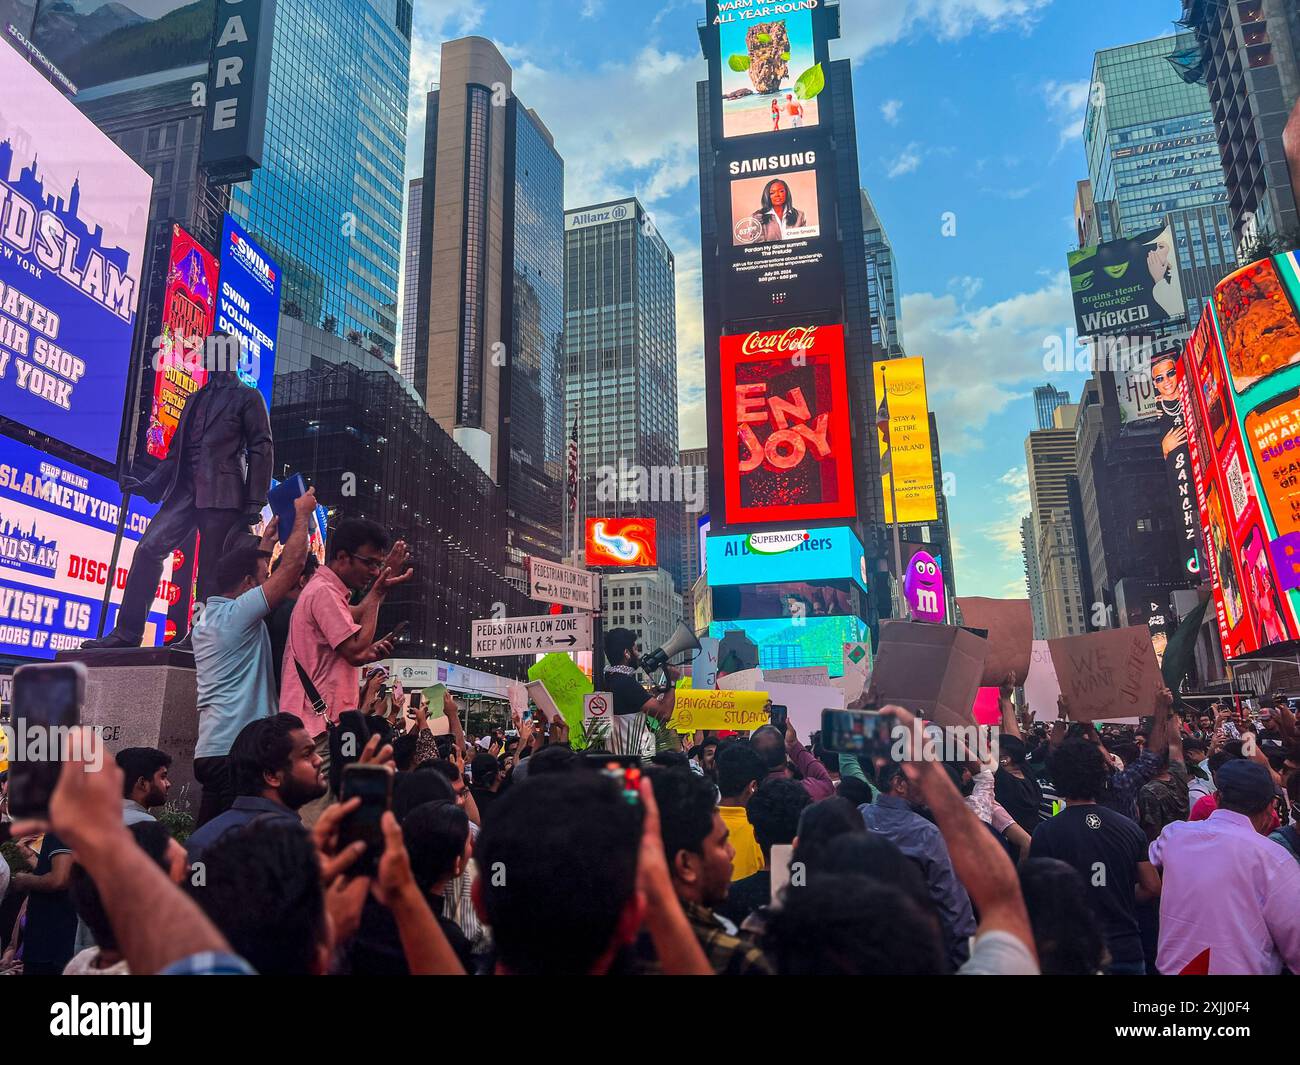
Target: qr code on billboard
x,y
1236,488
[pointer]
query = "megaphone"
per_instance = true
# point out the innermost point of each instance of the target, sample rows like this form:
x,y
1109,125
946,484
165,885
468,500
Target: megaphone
x,y
681,640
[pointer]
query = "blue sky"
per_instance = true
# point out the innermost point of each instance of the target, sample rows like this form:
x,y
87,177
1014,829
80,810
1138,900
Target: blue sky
x,y
964,106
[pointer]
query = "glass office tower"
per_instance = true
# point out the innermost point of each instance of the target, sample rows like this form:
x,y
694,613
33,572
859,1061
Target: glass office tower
x,y
327,202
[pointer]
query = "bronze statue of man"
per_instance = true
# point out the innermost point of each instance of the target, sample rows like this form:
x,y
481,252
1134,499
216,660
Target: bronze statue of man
x,y
215,479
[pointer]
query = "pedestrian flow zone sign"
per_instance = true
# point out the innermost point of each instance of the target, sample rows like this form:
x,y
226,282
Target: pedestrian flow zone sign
x,y
493,637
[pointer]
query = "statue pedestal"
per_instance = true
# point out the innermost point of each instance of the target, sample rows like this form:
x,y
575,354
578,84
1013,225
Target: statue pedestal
x,y
145,697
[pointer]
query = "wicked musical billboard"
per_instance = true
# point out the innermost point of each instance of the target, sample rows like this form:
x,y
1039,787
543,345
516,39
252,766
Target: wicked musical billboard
x,y
1130,285
786,451
1241,378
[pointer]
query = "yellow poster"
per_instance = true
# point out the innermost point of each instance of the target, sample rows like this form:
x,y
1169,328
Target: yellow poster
x,y
900,383
698,708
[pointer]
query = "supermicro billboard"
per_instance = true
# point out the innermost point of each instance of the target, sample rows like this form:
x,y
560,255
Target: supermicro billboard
x,y
73,215
786,451
790,555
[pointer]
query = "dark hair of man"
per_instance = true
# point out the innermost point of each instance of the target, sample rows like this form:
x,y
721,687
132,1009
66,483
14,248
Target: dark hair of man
x,y
738,766
1066,932
234,566
353,534
768,743
822,822
415,789
671,760
618,642
858,792
140,763
310,564
853,926
262,746
403,752
1078,770
553,758
686,804
484,770
435,834
774,811
152,838
867,854
262,890
887,774
442,767
569,844
1128,753
1220,758
1293,787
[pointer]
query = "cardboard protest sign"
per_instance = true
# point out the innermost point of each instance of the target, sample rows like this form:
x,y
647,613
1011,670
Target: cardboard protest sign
x,y
805,703
1010,628
1041,686
566,683
704,666
1108,675
857,670
736,711
932,670
812,675
746,680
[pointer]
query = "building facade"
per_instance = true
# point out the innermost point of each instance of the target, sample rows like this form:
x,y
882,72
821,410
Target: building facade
x,y
411,279
695,465
1050,464
1033,582
488,352
620,344
1150,142
1248,56
1046,399
882,275
1064,611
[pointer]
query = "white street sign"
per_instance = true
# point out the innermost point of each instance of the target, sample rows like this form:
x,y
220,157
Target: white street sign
x,y
494,637
549,582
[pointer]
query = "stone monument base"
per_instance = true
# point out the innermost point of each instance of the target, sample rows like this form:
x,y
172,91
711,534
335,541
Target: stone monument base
x,y
145,697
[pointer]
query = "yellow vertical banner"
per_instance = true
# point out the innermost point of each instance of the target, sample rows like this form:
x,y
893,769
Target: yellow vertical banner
x,y
901,383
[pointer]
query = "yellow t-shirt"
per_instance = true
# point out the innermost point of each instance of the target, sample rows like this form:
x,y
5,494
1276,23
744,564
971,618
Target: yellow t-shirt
x,y
749,856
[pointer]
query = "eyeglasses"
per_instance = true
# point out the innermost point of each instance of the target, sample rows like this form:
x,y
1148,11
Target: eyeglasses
x,y
1172,375
369,563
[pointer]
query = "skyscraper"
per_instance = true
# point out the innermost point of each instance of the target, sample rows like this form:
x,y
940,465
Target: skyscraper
x,y
695,464
620,344
1050,462
411,278
1150,143
882,272
1033,583
1046,399
488,353
327,202
1248,55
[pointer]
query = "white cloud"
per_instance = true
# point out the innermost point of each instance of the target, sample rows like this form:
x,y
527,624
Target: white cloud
x,y
877,23
889,109
1068,103
980,358
906,162
1009,497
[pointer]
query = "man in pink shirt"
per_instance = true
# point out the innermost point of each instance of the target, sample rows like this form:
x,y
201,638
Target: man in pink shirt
x,y
1228,902
330,639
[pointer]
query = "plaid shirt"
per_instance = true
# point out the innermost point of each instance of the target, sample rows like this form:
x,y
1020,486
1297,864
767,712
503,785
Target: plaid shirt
x,y
1122,787
728,954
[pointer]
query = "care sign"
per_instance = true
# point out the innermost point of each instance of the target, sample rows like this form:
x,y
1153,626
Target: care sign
x,y
494,637
1107,675
549,582
238,80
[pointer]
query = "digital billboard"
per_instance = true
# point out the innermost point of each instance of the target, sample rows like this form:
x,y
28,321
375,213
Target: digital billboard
x,y
1127,285
57,525
73,214
778,233
790,555
786,451
94,42
621,542
793,642
923,588
188,313
248,305
770,77
1241,380
906,454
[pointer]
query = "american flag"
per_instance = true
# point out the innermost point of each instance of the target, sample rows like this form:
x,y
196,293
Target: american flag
x,y
882,423
573,466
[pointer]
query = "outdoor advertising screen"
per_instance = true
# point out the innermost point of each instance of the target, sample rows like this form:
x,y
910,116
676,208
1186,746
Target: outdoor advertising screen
x,y
248,305
189,310
1128,285
907,451
57,524
621,542
786,451
1241,371
73,214
94,42
793,642
777,233
770,76
790,555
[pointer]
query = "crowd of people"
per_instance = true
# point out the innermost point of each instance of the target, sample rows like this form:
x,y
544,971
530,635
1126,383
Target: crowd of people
x,y
1167,847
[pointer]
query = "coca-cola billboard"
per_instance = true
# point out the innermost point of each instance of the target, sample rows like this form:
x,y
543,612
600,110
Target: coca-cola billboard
x,y
787,455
